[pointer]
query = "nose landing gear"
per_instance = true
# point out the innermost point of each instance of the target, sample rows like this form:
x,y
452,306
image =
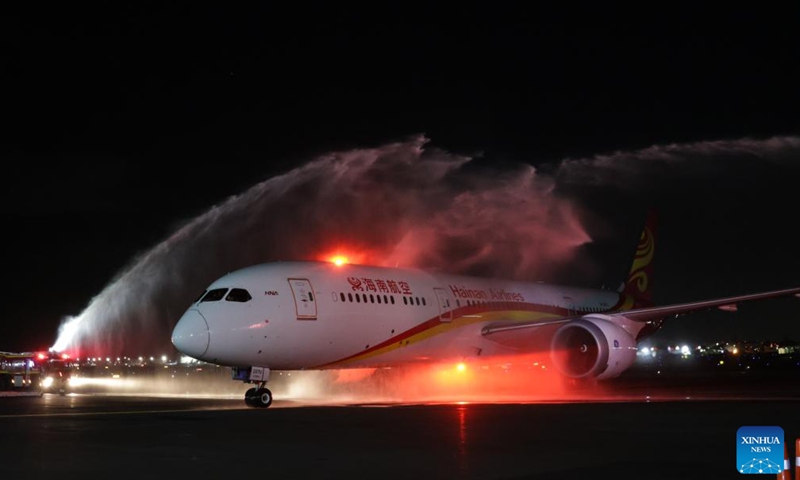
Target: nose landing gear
x,y
258,396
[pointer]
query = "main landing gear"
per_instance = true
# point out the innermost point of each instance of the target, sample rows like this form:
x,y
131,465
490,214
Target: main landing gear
x,y
259,397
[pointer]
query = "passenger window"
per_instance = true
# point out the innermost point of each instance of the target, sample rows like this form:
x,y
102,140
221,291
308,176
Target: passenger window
x,y
371,298
350,297
214,295
238,295
342,296
392,299
379,298
405,301
423,300
358,298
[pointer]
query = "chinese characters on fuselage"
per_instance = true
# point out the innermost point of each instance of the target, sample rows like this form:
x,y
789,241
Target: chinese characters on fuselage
x,y
379,285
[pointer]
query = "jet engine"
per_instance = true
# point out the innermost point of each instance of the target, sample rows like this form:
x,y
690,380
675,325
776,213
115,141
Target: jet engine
x,y
592,348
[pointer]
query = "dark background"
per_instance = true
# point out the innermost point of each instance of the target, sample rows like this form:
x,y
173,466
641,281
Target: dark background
x,y
122,122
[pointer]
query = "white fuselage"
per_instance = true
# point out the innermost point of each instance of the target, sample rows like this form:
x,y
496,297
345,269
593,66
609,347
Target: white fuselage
x,y
313,315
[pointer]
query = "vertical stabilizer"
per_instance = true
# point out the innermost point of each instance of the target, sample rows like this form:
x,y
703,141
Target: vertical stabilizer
x,y
639,284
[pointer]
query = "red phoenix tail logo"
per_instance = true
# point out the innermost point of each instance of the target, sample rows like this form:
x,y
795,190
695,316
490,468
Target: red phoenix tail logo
x,y
356,284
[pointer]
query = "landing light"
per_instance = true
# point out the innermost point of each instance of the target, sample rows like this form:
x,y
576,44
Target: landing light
x,y
461,367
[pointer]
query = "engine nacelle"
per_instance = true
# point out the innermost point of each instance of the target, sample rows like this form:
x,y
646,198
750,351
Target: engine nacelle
x,y
592,347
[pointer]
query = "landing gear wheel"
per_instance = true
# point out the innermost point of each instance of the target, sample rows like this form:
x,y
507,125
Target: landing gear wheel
x,y
263,398
249,397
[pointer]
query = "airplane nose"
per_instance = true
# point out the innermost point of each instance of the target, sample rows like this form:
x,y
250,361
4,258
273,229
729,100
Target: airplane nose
x,y
190,335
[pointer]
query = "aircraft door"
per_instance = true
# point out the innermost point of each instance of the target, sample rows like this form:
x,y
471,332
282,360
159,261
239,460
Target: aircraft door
x,y
445,313
304,301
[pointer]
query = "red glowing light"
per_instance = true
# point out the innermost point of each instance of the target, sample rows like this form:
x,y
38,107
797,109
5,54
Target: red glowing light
x,y
507,379
339,260
41,356
64,356
341,255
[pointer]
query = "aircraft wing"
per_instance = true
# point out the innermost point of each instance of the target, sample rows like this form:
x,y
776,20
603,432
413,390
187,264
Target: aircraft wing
x,y
649,313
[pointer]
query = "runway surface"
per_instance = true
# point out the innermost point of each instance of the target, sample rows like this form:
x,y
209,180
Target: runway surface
x,y
628,435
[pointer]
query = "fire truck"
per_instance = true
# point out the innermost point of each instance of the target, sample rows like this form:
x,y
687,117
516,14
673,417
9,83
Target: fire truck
x,y
20,373
56,372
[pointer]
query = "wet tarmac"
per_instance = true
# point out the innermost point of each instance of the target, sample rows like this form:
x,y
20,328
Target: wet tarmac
x,y
685,429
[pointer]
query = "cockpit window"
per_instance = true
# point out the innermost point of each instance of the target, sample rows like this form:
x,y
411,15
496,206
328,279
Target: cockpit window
x,y
238,295
200,296
214,295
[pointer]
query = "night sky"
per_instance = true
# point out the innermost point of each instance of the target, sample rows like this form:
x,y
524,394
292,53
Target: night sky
x,y
124,123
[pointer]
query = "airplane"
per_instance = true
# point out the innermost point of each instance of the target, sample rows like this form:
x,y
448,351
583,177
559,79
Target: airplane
x,y
316,315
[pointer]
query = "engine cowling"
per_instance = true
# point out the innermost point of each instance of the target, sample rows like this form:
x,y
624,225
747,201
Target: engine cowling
x,y
592,347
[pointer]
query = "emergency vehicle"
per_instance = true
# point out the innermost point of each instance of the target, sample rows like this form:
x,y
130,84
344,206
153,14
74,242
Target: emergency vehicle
x,y
20,372
56,372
